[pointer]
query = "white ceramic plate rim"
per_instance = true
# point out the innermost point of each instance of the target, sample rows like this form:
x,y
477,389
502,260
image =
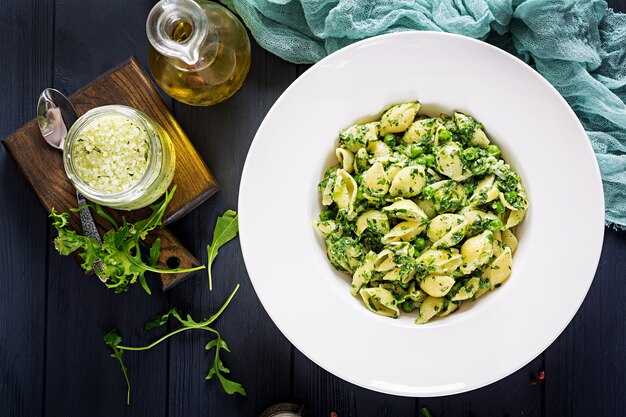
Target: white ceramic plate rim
x,y
262,284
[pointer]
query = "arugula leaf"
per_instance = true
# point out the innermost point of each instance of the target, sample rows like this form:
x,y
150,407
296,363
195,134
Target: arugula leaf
x,y
113,340
226,229
230,387
120,251
161,320
426,412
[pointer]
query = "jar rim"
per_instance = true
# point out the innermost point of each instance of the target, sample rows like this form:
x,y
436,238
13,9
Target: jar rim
x,y
154,146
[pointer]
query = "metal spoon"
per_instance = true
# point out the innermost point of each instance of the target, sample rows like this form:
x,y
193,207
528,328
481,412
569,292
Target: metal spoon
x,y
55,115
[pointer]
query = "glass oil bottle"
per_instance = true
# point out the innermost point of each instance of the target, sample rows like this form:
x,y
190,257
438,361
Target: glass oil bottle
x,y
199,52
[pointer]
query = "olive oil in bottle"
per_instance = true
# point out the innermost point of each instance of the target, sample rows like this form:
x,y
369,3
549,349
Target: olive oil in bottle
x,y
199,52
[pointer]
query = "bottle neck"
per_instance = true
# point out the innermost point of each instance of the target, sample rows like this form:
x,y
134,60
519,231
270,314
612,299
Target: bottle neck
x,y
178,29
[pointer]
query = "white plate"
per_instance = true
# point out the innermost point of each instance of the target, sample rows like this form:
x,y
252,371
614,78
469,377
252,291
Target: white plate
x,y
560,240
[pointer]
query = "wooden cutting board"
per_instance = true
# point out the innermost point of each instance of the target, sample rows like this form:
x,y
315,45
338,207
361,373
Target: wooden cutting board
x,y
42,165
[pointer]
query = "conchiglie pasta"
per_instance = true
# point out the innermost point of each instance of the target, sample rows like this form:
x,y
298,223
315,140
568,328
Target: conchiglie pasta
x,y
500,269
403,232
429,307
468,290
486,191
420,131
380,301
406,210
437,285
363,273
408,182
373,220
513,218
375,180
346,159
446,230
509,239
398,117
357,136
448,158
476,251
440,261
344,191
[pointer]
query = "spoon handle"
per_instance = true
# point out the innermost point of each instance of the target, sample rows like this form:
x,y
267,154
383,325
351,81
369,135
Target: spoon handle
x,y
90,230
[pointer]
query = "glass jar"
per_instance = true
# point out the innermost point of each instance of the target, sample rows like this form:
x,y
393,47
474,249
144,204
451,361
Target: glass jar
x,y
118,157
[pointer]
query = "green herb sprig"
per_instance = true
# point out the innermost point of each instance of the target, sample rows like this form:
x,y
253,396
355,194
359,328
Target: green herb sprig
x,y
226,229
120,249
113,340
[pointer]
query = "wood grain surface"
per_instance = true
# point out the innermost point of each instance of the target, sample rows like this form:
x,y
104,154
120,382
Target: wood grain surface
x,y
52,358
42,165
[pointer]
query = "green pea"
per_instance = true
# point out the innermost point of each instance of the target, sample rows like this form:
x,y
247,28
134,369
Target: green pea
x,y
498,207
495,225
429,160
493,150
444,135
390,140
511,196
420,243
470,154
415,150
408,306
326,215
421,160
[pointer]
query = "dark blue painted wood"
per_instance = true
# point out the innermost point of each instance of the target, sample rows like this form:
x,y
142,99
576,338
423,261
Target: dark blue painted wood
x,y
52,318
25,68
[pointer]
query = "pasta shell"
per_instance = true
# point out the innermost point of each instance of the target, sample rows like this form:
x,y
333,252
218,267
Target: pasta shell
x,y
398,117
421,131
513,218
361,161
486,191
380,301
448,158
408,182
378,149
346,159
405,210
375,180
437,285
449,308
500,269
429,307
479,138
440,261
328,228
384,261
476,251
468,290
427,208
374,220
477,220
363,273
344,191
446,230
509,239
357,136
403,232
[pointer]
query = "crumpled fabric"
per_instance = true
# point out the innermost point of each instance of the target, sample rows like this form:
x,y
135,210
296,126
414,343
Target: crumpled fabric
x,y
577,45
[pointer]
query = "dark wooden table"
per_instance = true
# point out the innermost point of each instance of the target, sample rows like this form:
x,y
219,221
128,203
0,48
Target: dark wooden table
x,y
52,318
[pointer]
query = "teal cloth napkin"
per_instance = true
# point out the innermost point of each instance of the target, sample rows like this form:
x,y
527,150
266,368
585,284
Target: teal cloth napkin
x,y
577,45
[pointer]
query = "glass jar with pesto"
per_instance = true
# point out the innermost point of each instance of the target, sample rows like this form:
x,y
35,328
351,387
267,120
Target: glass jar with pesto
x,y
118,157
